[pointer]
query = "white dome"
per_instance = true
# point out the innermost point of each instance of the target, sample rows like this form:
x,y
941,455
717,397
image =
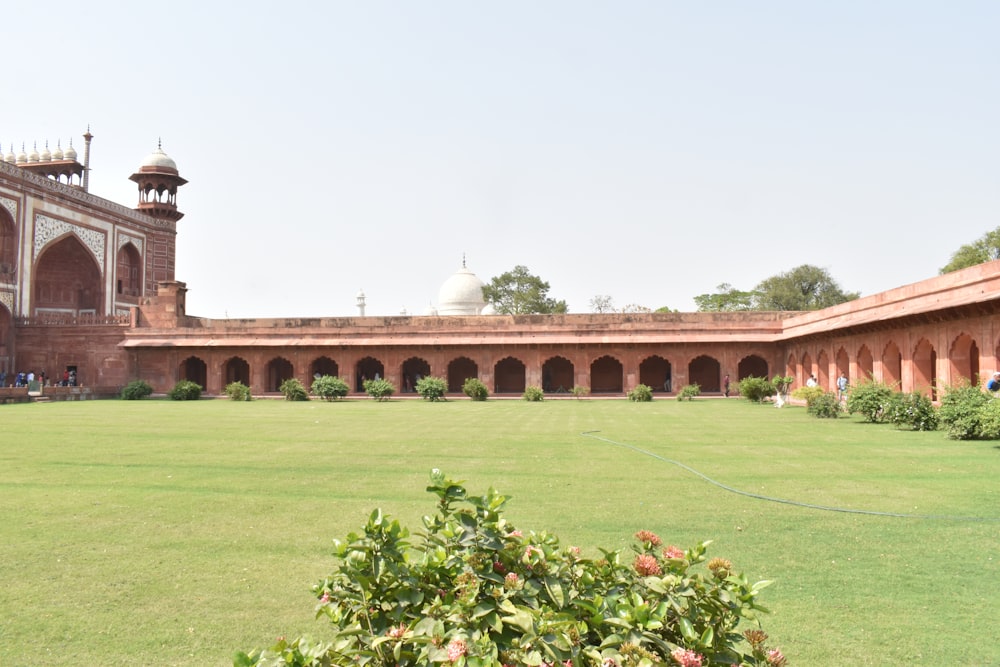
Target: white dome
x,y
158,160
462,294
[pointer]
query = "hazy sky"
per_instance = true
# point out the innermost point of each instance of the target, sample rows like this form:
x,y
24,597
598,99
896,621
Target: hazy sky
x,y
648,151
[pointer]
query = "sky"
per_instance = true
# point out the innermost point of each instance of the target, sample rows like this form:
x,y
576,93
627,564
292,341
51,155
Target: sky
x,y
647,151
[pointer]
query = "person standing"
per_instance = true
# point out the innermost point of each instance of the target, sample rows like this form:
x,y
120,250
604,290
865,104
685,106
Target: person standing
x,y
725,386
842,387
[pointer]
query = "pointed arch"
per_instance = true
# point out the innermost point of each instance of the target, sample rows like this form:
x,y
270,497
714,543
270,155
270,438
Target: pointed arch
x,y
194,370
843,362
807,369
790,366
128,273
279,369
8,246
706,372
323,366
606,376
892,365
752,365
368,368
823,371
925,368
509,376
866,363
964,359
67,279
656,372
557,375
412,371
236,369
461,369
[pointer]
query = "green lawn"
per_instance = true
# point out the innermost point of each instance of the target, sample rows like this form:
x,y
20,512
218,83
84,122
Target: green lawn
x,y
161,533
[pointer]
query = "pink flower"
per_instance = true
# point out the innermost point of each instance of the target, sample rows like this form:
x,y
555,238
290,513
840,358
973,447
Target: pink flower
x,y
649,536
673,553
396,631
647,565
515,533
511,581
456,649
325,598
685,657
774,657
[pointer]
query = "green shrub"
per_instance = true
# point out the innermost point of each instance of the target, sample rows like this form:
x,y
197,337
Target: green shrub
x,y
579,391
807,394
989,420
185,390
641,393
432,388
825,405
756,389
533,394
380,390
475,389
294,390
330,387
782,383
470,590
962,411
689,391
871,399
238,391
913,411
135,390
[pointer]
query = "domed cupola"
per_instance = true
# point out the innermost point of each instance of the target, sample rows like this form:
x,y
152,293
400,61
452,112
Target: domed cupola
x,y
158,181
462,294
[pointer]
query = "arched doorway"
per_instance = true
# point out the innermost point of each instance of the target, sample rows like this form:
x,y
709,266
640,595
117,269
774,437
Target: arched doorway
x,y
67,280
368,368
323,366
705,372
194,370
460,370
509,376
557,375
925,368
8,247
823,370
655,372
843,363
892,365
279,369
752,366
414,369
128,274
866,363
236,369
607,376
964,358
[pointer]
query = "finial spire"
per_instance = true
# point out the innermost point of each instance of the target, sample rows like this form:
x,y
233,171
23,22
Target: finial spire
x,y
463,259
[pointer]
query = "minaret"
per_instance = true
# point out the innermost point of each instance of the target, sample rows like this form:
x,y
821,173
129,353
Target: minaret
x,y
361,303
86,159
158,181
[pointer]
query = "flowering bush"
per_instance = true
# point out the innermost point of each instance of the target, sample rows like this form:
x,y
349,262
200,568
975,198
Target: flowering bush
x,y
185,390
914,411
470,590
756,389
824,405
238,391
962,411
689,391
136,390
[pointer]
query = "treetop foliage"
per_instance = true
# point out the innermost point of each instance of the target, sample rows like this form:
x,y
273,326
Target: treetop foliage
x,y
805,287
518,292
984,249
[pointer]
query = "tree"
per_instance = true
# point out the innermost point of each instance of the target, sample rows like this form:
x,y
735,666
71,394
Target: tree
x,y
518,292
805,287
984,249
728,299
602,303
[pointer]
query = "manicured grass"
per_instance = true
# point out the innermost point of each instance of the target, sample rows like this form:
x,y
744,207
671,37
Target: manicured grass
x,y
161,533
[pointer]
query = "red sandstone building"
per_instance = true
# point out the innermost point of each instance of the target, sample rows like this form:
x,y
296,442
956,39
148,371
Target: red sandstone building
x,y
89,285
